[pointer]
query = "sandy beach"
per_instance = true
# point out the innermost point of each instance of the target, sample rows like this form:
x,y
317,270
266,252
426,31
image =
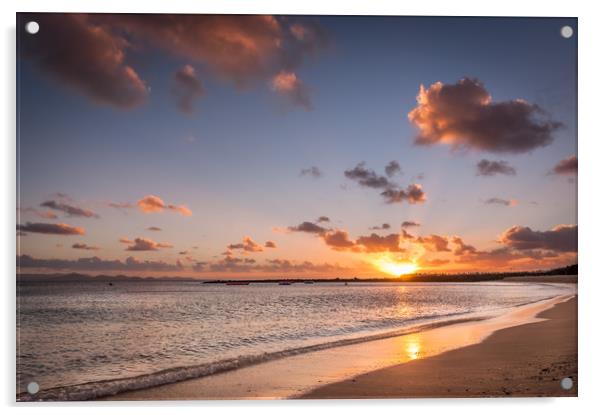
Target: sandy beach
x,y
526,360
494,357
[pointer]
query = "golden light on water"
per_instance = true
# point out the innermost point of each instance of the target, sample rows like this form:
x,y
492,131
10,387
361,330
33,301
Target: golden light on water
x,y
393,267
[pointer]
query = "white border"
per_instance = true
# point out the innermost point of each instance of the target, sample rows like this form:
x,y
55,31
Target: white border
x,y
590,287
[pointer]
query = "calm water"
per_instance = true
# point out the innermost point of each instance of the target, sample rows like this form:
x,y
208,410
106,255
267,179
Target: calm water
x,y
73,333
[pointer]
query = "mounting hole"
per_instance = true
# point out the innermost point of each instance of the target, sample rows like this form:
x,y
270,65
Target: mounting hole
x,y
566,32
32,27
33,388
566,383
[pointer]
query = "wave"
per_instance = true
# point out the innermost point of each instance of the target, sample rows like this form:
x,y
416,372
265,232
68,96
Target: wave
x,y
110,387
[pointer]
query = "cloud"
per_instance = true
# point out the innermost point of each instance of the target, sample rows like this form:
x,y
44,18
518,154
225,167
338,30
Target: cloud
x,y
187,88
96,264
499,201
435,243
39,213
491,168
392,193
377,243
463,115
89,52
367,177
85,56
323,219
70,210
144,244
392,168
308,227
381,227
85,247
154,204
125,241
154,228
288,85
409,224
567,166
338,239
51,228
312,171
412,194
562,238
247,245
237,48
270,244
461,247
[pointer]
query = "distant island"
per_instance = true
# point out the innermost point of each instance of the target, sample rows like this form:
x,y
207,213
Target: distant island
x,y
570,270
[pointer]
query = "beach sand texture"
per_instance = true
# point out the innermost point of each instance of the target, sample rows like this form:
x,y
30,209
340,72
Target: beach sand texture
x,y
526,360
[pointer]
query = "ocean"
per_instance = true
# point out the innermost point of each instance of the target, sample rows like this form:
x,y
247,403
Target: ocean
x,y
89,339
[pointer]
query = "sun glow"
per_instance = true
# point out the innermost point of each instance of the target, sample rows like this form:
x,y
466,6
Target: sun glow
x,y
394,267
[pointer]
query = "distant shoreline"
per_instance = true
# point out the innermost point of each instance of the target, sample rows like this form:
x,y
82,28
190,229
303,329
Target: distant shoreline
x,y
569,271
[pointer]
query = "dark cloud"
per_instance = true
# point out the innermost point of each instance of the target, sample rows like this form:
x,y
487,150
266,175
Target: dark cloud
x,y
96,264
270,244
384,226
69,209
338,239
392,193
464,115
412,194
289,86
154,228
562,238
377,243
89,52
409,224
323,219
84,247
500,201
87,57
308,227
51,228
461,247
312,171
567,166
367,177
144,244
238,48
492,167
435,243
187,88
392,168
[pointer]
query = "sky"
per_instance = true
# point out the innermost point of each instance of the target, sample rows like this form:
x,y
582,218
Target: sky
x,y
281,146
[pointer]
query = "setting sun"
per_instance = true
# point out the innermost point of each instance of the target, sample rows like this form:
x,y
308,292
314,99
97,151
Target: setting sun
x,y
396,268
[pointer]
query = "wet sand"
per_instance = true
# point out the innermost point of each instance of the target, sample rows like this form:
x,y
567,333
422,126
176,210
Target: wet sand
x,y
526,360
493,357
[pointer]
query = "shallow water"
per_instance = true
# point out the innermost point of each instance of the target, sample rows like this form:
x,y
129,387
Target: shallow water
x,y
73,333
